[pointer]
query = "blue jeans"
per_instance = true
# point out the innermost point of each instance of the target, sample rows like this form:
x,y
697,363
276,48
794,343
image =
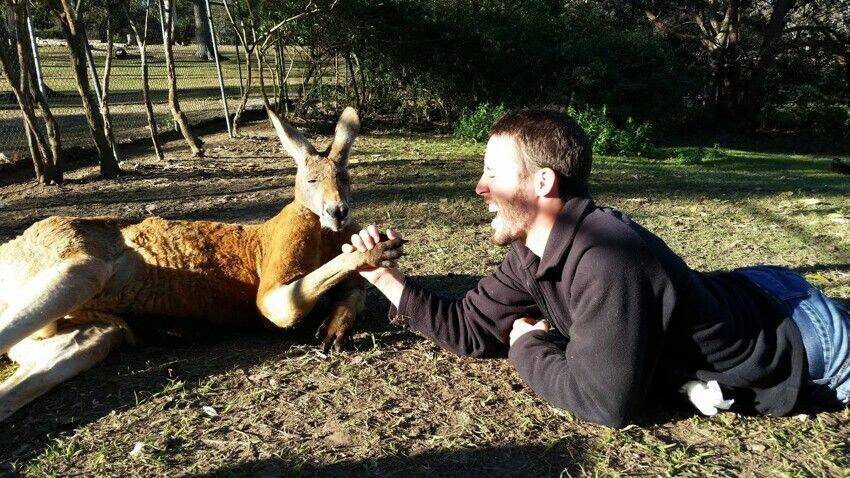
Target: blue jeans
x,y
824,325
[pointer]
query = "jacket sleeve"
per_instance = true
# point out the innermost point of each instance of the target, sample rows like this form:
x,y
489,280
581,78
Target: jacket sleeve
x,y
603,374
476,325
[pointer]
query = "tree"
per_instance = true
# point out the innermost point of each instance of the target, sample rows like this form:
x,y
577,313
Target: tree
x,y
46,155
715,25
141,41
252,42
742,40
73,29
203,35
104,87
167,18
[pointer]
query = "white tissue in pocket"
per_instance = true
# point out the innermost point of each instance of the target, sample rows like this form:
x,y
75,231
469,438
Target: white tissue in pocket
x,y
706,396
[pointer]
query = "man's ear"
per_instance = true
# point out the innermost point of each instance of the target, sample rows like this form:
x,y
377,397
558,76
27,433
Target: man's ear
x,y
546,182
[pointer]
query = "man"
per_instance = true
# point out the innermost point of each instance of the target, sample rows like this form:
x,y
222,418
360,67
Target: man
x,y
593,310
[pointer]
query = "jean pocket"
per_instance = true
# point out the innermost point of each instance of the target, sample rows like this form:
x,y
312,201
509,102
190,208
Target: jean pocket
x,y
783,284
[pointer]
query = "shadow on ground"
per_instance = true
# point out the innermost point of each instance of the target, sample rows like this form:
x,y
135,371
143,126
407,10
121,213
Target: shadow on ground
x,y
186,353
565,457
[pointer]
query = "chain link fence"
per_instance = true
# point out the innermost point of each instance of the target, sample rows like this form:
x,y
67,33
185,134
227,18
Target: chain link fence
x,y
197,81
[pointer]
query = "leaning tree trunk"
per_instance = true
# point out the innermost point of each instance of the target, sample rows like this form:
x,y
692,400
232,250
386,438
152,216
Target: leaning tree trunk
x,y
75,36
141,41
38,151
54,159
46,161
174,104
104,90
203,35
242,38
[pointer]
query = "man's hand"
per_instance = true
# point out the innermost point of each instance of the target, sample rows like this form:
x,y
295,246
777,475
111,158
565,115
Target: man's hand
x,y
525,325
366,241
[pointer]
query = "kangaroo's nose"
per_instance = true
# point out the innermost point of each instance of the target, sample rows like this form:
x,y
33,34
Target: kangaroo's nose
x,y
338,212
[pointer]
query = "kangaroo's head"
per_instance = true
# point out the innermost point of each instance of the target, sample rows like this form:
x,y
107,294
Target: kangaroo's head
x,y
322,183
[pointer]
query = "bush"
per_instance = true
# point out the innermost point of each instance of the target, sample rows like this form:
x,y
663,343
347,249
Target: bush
x,y
428,61
608,138
831,120
697,155
475,125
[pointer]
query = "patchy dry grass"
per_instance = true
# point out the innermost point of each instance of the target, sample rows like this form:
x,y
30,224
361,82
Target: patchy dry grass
x,y
393,404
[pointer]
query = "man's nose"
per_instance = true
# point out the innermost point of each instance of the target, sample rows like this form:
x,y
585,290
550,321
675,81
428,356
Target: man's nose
x,y
338,211
481,187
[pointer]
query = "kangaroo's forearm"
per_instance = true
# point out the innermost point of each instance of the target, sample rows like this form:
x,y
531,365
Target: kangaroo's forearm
x,y
285,304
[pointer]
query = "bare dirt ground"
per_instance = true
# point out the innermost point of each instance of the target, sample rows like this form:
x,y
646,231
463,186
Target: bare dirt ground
x,y
267,403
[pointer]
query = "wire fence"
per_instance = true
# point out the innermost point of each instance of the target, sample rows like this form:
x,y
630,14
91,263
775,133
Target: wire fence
x,y
197,81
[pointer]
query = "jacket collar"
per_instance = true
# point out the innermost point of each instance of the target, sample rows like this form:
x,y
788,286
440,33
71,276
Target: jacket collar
x,y
560,238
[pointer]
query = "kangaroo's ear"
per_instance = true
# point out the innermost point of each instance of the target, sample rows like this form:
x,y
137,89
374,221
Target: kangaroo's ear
x,y
292,140
346,130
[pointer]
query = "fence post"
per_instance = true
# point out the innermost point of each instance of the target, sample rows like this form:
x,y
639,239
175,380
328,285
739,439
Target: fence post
x,y
93,69
218,69
39,76
161,9
97,91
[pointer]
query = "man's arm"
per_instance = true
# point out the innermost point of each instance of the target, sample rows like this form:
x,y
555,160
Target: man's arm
x,y
614,342
476,325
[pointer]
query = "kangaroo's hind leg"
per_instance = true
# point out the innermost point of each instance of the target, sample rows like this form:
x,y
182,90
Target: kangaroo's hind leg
x,y
45,363
49,295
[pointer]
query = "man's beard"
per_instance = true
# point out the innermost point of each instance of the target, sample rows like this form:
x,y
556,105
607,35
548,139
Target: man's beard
x,y
512,220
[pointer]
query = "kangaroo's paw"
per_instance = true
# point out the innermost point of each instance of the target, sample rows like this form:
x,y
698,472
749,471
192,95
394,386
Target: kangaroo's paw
x,y
385,253
335,331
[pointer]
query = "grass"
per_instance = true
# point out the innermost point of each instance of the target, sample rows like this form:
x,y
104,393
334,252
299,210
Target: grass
x,y
395,405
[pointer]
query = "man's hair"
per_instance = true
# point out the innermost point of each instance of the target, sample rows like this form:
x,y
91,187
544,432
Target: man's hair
x,y
550,139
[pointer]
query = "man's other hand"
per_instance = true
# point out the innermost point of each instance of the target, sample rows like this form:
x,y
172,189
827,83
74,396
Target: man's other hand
x,y
527,324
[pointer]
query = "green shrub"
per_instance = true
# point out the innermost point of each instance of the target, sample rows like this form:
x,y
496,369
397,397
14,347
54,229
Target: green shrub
x,y
697,155
830,120
475,124
608,138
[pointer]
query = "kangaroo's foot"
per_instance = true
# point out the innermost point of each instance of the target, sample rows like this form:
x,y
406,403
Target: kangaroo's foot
x,y
45,363
336,329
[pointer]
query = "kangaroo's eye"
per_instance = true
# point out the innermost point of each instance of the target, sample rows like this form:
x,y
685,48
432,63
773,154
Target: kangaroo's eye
x,y
312,181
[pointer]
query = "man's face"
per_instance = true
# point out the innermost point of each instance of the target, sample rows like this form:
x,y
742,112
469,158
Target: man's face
x,y
507,190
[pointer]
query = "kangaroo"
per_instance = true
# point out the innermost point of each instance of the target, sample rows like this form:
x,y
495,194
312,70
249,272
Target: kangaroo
x,y
69,285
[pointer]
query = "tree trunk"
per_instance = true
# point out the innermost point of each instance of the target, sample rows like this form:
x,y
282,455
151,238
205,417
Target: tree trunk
x,y
104,90
246,93
726,93
754,94
203,35
349,63
727,68
75,36
46,162
18,85
174,104
141,41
